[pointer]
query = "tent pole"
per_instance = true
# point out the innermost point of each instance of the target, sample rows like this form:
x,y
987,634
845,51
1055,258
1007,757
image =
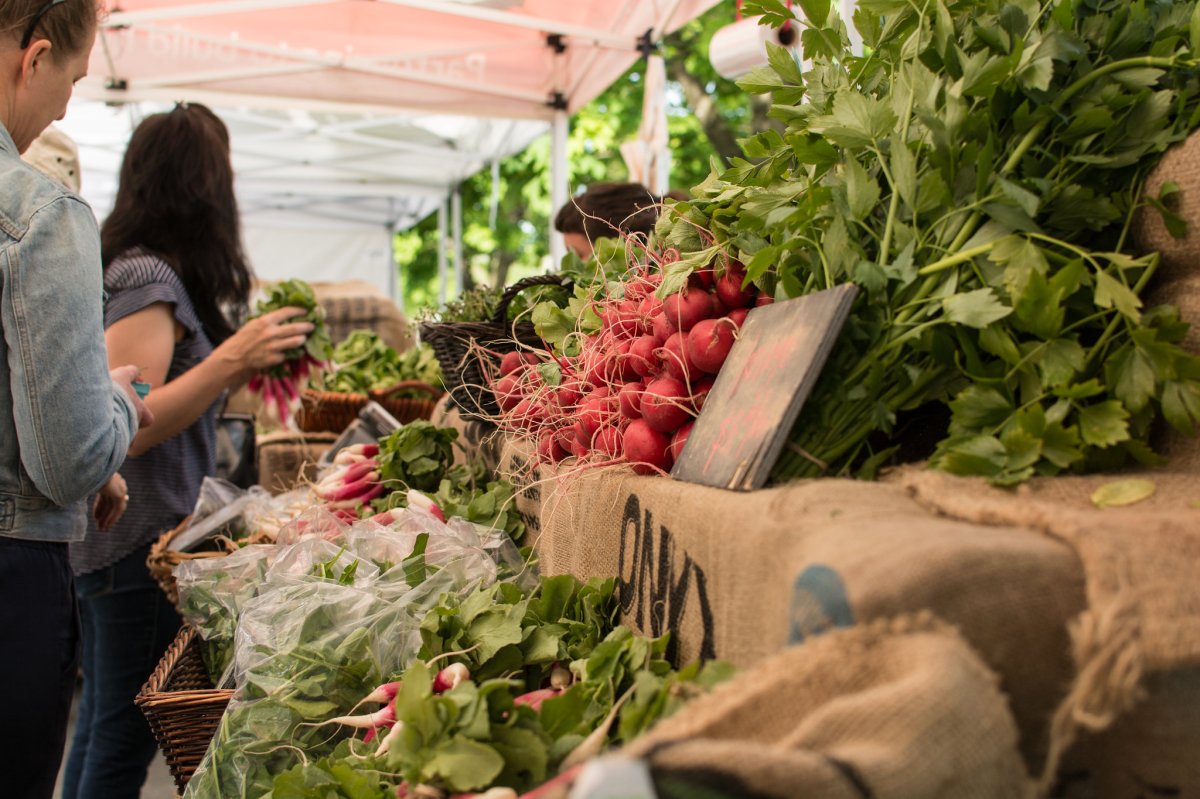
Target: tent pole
x,y
395,289
456,221
441,252
558,182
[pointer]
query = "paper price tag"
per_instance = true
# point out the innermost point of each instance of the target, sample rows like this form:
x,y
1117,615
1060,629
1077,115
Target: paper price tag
x,y
614,778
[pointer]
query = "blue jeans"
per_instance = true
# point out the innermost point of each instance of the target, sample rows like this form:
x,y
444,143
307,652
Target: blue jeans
x,y
128,623
39,656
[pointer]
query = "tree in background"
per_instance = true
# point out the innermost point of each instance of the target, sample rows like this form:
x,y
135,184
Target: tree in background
x,y
706,116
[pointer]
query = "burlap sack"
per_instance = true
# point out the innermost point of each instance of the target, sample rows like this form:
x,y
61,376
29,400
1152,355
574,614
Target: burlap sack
x,y
287,458
1143,617
477,441
1180,165
1183,292
1152,751
894,709
355,304
740,576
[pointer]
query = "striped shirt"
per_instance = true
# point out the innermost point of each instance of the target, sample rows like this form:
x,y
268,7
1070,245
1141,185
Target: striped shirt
x,y
164,482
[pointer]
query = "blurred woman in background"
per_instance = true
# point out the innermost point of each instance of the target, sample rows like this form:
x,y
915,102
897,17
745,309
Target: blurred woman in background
x,y
177,282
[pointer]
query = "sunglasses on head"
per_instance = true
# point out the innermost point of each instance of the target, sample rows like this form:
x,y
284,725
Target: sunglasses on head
x,y
28,35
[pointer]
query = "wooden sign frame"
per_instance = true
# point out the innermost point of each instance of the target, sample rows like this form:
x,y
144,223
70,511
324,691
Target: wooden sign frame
x,y
761,388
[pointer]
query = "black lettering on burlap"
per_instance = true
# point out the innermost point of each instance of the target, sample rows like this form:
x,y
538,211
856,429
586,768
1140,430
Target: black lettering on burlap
x,y
657,588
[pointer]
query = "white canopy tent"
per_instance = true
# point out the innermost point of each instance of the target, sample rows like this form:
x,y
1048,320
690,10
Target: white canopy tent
x,y
345,111
320,193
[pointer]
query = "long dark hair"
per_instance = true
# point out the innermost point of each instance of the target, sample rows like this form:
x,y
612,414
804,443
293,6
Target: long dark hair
x,y
176,200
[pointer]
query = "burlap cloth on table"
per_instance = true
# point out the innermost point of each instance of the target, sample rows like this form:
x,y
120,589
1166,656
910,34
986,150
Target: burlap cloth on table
x,y
893,709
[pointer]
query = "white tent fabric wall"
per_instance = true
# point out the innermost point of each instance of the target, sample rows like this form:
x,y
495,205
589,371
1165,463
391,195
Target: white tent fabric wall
x,y
281,247
318,177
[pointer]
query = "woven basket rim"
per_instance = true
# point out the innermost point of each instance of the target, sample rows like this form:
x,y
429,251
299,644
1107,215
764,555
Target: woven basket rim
x,y
153,694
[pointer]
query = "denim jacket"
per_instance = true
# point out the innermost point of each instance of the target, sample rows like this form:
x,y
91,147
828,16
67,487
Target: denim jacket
x,y
64,426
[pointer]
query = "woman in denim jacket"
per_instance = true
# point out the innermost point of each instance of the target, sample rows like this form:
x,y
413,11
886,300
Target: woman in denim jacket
x,y
66,421
174,273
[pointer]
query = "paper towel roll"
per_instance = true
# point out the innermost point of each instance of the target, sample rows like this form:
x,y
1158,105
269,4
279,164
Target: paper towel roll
x,y
738,48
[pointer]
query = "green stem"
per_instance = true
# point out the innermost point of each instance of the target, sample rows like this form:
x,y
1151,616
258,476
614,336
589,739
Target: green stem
x,y
954,260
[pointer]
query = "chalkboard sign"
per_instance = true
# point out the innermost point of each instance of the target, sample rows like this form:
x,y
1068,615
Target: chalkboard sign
x,y
768,375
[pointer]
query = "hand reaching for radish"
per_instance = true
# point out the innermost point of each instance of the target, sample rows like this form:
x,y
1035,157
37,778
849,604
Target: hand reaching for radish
x,y
283,353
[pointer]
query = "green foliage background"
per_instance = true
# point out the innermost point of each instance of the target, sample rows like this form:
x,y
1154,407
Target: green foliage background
x,y
707,115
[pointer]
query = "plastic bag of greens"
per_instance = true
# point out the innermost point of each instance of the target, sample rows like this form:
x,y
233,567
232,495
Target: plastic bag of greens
x,y
307,649
316,558
212,592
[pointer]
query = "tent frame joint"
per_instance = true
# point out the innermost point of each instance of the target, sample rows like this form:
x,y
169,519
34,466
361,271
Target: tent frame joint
x,y
646,44
556,42
558,101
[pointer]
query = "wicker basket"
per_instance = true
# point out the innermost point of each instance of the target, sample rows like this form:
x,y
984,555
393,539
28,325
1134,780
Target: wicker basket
x,y
182,706
329,411
162,561
469,351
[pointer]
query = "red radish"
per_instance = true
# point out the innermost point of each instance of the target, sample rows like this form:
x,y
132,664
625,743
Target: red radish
x,y
550,450
729,287
507,393
642,357
578,448
702,278
685,309
450,677
630,400
608,440
595,411
384,693
385,518
700,391
709,342
565,436
569,394
679,439
660,328
418,500
677,360
738,316
389,739
351,490
645,447
387,715
763,299
512,361
663,404
625,365
534,699
347,474
528,414
649,307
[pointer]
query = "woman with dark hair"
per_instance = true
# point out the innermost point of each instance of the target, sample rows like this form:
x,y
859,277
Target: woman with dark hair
x,y
66,420
175,274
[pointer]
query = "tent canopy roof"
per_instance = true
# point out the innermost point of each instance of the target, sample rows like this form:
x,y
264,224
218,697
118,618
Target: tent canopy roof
x,y
489,58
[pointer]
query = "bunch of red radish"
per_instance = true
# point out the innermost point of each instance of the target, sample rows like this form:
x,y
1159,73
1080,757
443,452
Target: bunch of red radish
x,y
279,386
634,390
353,483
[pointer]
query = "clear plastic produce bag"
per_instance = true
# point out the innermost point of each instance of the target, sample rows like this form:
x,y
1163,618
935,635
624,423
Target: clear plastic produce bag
x,y
308,648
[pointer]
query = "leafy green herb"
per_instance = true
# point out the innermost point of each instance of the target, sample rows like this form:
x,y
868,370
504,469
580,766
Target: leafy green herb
x,y
363,362
975,172
418,455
